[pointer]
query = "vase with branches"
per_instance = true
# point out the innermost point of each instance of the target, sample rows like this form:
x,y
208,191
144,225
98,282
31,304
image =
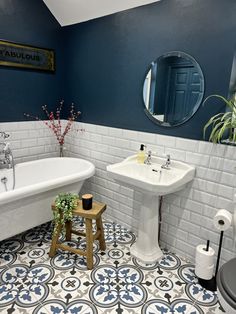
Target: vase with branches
x,y
222,124
54,123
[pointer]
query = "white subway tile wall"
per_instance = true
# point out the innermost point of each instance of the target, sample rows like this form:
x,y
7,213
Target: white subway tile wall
x,y
187,214
30,140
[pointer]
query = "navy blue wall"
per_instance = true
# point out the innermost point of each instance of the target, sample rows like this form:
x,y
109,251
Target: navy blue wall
x,y
101,64
108,58
29,22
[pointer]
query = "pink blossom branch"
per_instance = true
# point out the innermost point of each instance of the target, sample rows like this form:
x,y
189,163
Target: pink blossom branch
x,y
54,121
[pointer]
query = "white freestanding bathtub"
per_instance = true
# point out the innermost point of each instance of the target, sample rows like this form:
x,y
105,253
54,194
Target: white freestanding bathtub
x,y
37,184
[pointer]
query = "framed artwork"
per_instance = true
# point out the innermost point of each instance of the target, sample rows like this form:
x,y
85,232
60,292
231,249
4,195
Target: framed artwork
x,y
26,57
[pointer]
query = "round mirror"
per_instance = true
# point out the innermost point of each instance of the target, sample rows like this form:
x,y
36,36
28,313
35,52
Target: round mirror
x,y
173,89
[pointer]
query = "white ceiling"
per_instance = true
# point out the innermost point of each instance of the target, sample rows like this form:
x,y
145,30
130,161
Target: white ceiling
x,y
69,12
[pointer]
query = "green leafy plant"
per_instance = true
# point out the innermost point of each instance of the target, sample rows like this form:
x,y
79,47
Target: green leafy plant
x,y
65,203
222,123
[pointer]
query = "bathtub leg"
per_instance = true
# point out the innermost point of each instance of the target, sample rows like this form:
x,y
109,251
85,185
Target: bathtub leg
x,y
101,239
89,243
68,230
55,238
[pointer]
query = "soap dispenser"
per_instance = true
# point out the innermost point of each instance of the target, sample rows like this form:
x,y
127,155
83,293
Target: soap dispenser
x,y
141,154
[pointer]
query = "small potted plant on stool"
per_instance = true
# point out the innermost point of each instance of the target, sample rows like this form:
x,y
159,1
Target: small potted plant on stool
x,y
65,203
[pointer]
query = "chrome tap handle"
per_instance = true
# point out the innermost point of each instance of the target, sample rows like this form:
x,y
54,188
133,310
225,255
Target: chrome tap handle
x,y
4,135
6,149
167,163
148,160
168,158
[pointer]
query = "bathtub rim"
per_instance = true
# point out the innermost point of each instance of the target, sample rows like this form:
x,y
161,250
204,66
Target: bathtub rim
x,y
26,191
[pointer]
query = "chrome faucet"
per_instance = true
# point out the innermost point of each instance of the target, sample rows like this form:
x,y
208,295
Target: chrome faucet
x,y
167,163
6,158
148,160
4,135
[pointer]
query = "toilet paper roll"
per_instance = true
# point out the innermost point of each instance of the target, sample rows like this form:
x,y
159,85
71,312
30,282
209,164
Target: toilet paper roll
x,y
222,220
203,257
234,228
204,272
204,262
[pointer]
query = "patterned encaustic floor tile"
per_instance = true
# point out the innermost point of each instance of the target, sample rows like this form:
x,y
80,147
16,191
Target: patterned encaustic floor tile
x,y
32,282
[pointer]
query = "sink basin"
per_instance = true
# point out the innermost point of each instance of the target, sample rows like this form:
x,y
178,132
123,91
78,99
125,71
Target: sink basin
x,y
152,181
152,178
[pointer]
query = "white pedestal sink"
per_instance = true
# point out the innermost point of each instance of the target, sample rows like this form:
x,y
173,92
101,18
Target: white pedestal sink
x,y
152,181
146,248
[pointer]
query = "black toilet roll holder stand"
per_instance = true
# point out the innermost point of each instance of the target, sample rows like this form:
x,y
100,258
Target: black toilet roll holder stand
x,y
211,283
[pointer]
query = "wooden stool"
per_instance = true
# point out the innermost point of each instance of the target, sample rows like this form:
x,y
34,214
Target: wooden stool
x,y
89,215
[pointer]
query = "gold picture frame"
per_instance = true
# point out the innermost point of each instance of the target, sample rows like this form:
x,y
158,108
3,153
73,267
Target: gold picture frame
x,y
26,56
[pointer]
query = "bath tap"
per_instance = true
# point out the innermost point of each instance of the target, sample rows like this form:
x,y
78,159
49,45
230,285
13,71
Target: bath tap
x,y
148,160
4,135
6,148
167,163
6,161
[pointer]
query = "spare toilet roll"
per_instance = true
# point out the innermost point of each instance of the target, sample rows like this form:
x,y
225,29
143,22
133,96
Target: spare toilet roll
x,y
204,262
234,224
222,220
205,273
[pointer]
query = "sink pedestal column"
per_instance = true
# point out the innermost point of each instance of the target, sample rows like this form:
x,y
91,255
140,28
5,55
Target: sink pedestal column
x,y
146,248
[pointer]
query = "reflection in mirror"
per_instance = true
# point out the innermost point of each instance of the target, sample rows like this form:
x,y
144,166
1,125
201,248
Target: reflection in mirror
x,y
173,89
